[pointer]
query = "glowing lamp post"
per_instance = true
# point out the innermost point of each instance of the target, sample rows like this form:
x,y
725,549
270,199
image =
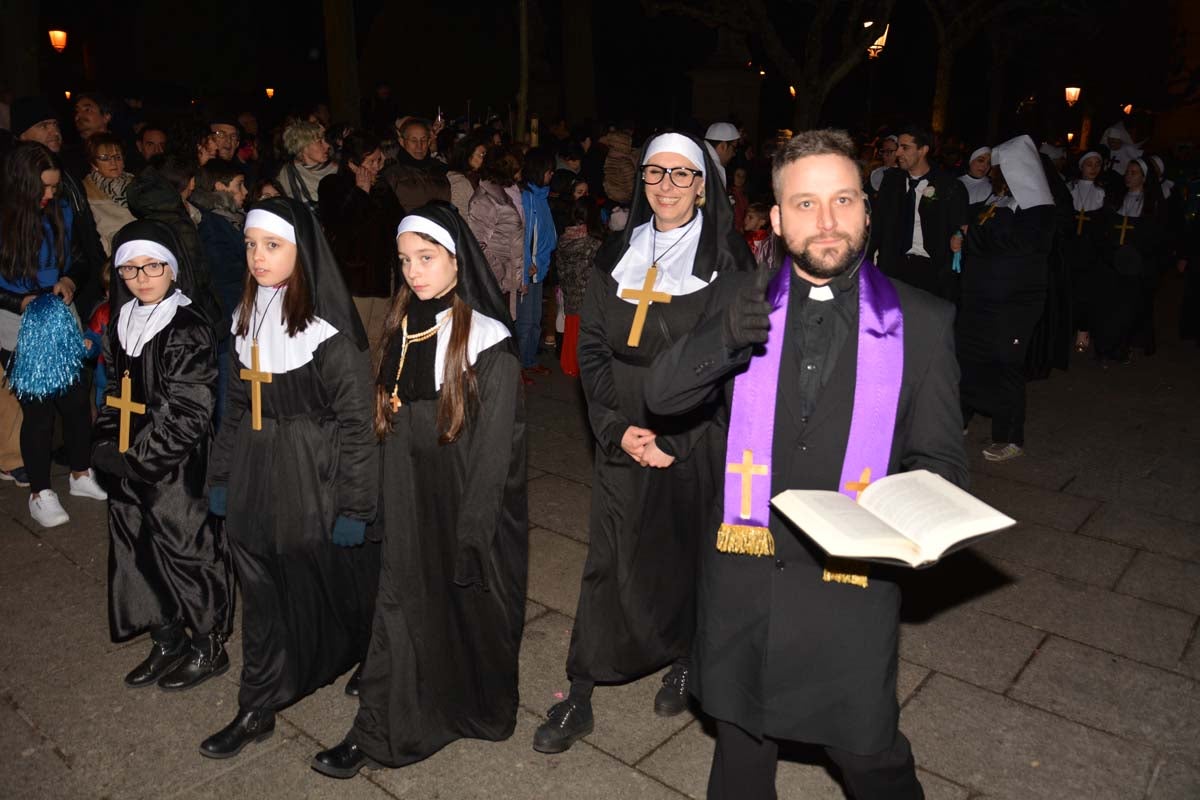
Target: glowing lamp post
x,y
67,94
1071,138
58,40
877,47
1072,95
270,93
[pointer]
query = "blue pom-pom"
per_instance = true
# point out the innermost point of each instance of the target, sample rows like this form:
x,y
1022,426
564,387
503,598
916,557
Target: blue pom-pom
x,y
49,355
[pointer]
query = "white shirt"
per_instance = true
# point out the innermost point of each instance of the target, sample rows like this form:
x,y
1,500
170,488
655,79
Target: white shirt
x,y
137,324
918,238
277,351
1086,195
675,253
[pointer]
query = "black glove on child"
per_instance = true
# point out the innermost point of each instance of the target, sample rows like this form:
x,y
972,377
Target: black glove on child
x,y
107,458
746,318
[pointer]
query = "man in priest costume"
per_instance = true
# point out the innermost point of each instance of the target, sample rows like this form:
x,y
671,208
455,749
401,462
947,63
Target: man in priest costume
x,y
442,664
837,375
295,471
651,284
919,209
168,569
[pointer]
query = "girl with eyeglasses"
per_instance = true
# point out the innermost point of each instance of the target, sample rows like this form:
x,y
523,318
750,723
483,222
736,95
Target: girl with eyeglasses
x,y
168,571
37,258
650,284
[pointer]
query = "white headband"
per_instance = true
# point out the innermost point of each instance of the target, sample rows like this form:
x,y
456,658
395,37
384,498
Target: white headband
x,y
271,223
979,151
892,137
145,247
674,143
1158,162
1142,164
1087,155
415,223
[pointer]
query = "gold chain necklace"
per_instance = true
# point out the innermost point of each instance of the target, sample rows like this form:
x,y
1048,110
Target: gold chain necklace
x,y
410,338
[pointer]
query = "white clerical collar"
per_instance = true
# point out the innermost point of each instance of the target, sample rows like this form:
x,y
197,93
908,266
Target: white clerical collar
x,y
485,332
137,324
822,294
674,252
277,351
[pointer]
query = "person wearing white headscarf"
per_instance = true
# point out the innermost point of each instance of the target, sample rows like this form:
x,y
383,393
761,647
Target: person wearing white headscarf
x,y
651,283
1084,245
168,571
1003,295
977,178
888,147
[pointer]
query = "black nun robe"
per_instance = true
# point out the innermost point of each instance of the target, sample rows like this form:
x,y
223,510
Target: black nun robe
x,y
307,602
167,563
442,663
636,609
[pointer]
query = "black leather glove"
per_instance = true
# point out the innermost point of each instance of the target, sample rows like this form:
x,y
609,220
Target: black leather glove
x,y
746,318
107,458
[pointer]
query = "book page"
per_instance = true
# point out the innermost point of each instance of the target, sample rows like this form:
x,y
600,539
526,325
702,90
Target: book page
x,y
842,527
930,510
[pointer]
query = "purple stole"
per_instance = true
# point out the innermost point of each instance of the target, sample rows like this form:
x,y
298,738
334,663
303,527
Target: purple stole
x,y
744,527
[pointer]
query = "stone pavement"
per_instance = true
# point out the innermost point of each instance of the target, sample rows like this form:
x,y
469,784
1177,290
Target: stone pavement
x,y
1056,660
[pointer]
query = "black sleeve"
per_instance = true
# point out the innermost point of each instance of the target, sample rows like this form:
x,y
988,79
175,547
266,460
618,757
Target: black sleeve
x,y
237,402
595,367
346,374
105,429
182,418
497,437
1029,233
957,213
11,301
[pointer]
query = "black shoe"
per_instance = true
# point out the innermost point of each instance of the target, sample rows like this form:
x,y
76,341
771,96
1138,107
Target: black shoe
x,y
567,722
354,685
207,659
169,648
343,761
672,698
250,725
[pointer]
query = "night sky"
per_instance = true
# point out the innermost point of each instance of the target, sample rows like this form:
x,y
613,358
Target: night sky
x,y
441,54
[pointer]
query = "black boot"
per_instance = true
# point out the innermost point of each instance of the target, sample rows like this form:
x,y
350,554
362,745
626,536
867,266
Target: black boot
x,y
672,698
567,722
206,659
354,685
169,648
250,725
343,761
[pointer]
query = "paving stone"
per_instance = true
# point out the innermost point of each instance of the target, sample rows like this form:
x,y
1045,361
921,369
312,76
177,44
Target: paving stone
x,y
1026,503
560,455
1004,749
1114,694
114,737
477,770
982,649
32,767
1174,780
1124,625
533,611
908,678
1081,558
1140,492
326,715
283,771
555,569
626,725
18,549
85,547
567,418
1145,530
561,505
1164,580
1191,658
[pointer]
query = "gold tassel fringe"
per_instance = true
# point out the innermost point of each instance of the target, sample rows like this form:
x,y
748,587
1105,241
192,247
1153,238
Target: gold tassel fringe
x,y
842,570
746,540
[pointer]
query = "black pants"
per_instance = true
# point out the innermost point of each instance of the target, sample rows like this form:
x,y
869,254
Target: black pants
x,y
37,434
743,768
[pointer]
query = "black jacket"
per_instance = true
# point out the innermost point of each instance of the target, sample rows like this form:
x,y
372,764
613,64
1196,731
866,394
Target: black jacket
x,y
941,215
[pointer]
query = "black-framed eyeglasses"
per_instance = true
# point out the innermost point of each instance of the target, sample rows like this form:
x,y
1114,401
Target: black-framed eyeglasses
x,y
154,269
683,177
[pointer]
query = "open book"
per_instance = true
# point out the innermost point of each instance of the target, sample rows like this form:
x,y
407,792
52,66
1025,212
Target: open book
x,y
911,518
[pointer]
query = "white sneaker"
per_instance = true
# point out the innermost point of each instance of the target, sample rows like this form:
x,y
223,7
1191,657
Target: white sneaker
x,y
46,510
86,486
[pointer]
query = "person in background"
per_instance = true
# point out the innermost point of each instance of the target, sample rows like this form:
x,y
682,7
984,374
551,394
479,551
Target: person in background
x,y
721,139
582,235
466,159
151,141
301,177
757,233
497,220
540,242
106,186
417,178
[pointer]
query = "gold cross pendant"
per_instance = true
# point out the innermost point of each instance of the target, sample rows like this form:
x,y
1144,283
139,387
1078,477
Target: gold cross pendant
x,y
644,296
126,405
257,378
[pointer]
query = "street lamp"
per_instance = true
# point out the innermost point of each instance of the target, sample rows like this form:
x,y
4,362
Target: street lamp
x,y
1071,137
67,94
270,93
876,48
1072,94
58,40
1128,109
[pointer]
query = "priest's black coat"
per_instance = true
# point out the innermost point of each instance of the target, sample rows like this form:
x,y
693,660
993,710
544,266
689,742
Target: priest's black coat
x,y
442,663
167,559
779,651
307,603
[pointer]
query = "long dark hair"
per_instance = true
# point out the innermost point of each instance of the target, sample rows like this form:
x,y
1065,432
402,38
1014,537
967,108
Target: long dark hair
x,y
538,161
460,394
21,213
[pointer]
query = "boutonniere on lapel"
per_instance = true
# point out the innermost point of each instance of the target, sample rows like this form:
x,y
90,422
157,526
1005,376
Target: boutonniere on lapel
x,y
929,193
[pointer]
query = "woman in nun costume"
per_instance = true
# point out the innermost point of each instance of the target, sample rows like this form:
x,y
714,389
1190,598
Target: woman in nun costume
x,y
978,179
449,409
651,283
1004,294
295,472
168,570
1085,247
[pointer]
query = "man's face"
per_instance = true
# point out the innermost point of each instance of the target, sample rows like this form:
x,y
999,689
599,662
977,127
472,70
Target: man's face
x,y
726,151
911,157
236,189
88,119
226,137
45,133
151,143
821,215
415,141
